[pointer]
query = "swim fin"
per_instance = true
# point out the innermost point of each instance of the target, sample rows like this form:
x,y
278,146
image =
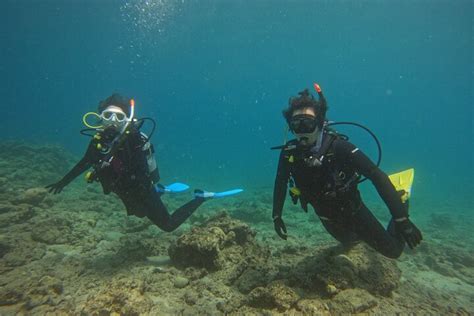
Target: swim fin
x,y
176,187
403,181
215,195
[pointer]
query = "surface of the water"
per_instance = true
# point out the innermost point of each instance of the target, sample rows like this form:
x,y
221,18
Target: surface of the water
x,y
216,75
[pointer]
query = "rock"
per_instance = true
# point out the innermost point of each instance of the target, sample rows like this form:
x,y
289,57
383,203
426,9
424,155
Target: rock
x,y
53,231
19,251
219,242
191,297
359,267
10,296
181,282
276,295
199,248
193,273
312,307
344,261
33,196
51,284
134,224
331,289
5,208
159,260
119,297
20,215
4,248
352,301
251,279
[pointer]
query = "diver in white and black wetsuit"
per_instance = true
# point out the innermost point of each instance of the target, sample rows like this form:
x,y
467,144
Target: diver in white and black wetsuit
x,y
123,162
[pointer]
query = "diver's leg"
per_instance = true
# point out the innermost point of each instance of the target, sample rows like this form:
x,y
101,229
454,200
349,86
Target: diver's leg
x,y
159,215
374,234
337,227
340,232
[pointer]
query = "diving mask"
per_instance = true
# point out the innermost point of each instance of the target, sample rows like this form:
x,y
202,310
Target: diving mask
x,y
112,116
305,128
303,124
116,115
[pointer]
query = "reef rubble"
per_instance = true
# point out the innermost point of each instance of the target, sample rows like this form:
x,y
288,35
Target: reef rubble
x,y
79,253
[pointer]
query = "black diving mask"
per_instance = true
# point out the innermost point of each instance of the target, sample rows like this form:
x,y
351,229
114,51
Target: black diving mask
x,y
303,124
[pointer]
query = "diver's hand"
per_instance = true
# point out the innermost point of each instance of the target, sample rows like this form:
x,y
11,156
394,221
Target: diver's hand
x,y
56,188
280,227
409,231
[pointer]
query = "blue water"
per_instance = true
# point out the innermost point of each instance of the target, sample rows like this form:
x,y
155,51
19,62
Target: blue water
x,y
216,75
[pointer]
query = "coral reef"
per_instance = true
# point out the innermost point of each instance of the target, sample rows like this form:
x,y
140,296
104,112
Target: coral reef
x,y
79,253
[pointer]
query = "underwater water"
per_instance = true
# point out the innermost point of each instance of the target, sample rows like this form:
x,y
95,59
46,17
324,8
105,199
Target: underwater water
x,y
215,75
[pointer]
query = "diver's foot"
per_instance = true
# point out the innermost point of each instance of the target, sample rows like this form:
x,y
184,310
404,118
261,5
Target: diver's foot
x,y
203,194
215,195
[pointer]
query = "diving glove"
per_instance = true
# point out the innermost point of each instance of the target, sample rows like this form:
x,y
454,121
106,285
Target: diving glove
x,y
57,187
280,227
410,233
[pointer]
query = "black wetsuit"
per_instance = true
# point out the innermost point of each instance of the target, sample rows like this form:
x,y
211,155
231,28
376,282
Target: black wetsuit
x,y
126,174
331,188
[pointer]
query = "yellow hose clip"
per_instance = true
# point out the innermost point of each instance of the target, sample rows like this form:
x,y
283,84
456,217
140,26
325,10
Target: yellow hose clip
x,y
89,176
84,120
99,146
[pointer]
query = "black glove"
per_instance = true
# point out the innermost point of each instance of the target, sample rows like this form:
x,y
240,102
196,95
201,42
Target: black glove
x,y
280,227
409,232
56,188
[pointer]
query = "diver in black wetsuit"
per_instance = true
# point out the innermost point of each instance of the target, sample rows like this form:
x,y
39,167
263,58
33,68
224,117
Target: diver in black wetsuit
x,y
323,169
120,156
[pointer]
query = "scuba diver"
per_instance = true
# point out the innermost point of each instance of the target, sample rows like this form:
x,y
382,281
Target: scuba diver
x,y
122,158
323,169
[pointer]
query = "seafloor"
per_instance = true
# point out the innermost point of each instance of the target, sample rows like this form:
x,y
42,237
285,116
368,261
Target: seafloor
x,y
78,253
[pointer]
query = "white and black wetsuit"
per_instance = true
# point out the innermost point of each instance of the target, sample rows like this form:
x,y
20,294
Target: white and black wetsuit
x,y
126,174
331,188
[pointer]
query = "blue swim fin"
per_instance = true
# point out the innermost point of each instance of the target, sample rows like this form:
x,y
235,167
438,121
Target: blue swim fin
x,y
172,188
227,193
215,195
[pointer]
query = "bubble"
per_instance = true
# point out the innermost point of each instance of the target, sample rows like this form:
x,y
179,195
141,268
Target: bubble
x,y
146,21
148,17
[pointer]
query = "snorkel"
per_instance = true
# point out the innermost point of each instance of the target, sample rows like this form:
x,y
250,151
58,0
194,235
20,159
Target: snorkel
x,y
315,137
132,115
102,119
322,122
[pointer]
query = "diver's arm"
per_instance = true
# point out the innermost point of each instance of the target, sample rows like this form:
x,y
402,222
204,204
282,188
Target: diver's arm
x,y
399,210
84,164
364,166
279,195
281,186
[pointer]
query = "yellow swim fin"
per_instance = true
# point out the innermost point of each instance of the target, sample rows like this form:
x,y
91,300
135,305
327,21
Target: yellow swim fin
x,y
403,181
